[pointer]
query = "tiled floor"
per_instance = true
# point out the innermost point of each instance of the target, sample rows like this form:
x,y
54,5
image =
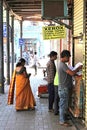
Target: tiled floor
x,y
38,119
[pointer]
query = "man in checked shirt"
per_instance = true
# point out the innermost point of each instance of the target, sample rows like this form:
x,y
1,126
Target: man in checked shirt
x,y
51,71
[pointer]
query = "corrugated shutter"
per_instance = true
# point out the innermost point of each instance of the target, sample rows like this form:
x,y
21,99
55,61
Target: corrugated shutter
x,y
79,20
78,17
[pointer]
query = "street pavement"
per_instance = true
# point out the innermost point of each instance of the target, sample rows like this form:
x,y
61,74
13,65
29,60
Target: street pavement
x,y
38,119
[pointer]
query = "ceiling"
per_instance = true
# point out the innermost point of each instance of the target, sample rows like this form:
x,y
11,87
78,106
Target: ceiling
x,y
26,9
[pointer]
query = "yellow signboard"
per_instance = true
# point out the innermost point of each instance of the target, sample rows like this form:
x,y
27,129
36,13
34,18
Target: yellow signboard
x,y
53,32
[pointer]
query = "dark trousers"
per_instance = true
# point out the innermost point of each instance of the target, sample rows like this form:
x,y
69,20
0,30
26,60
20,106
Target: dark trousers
x,y
51,95
56,101
35,67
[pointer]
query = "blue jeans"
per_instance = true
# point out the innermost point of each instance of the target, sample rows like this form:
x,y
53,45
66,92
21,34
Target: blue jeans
x,y
63,103
51,95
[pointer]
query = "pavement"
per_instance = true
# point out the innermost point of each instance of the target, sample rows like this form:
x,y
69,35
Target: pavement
x,y
38,119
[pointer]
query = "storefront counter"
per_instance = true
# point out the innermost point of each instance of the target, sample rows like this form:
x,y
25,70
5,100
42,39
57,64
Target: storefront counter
x,y
76,105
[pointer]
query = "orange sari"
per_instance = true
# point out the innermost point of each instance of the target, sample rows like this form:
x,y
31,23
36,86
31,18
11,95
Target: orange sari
x,y
11,89
24,95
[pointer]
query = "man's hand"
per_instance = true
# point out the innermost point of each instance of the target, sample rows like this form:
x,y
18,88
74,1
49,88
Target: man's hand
x,y
29,75
80,67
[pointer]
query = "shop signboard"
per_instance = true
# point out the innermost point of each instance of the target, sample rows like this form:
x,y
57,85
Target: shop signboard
x,y
59,6
53,32
21,41
4,30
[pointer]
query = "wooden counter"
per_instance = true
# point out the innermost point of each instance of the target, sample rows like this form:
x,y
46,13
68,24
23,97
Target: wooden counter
x,y
76,101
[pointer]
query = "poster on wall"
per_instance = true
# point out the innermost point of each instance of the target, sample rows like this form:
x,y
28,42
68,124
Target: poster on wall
x,y
27,45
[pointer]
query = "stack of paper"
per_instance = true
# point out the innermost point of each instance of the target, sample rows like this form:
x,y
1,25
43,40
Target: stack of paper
x,y
75,67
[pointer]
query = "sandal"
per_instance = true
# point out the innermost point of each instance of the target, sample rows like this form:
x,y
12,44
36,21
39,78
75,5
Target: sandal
x,y
51,110
65,124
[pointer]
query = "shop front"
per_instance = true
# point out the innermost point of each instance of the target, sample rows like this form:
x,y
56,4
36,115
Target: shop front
x,y
78,106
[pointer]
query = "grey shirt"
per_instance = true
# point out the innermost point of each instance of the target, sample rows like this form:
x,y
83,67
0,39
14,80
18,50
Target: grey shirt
x,y
65,80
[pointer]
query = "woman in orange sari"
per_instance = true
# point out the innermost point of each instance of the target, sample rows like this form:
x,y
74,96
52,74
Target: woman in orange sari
x,y
24,96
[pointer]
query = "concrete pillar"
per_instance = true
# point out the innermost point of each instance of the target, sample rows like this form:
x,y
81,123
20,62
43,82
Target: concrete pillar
x,y
1,49
12,43
21,26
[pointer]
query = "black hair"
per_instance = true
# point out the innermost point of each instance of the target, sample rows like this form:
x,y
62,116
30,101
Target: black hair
x,y
18,64
22,60
35,52
52,53
65,53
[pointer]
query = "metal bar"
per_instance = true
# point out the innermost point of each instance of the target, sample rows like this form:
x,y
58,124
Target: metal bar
x,y
61,23
1,49
8,49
